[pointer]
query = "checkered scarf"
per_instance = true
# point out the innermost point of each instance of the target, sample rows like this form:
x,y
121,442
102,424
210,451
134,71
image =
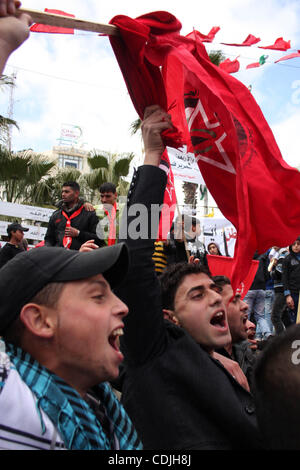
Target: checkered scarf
x,y
72,416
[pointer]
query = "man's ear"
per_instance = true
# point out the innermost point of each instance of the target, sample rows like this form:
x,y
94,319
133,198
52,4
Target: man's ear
x,y
170,315
38,320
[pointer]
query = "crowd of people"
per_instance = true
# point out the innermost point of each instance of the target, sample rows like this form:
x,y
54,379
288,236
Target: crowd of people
x,y
104,351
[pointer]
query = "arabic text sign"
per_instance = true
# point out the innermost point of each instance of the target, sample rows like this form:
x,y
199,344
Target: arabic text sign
x,y
34,233
25,212
184,165
212,231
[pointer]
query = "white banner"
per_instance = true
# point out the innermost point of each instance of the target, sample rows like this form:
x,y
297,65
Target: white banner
x,y
220,231
34,233
39,214
184,165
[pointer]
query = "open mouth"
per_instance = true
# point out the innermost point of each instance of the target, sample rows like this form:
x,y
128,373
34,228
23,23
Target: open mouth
x,y
114,339
219,320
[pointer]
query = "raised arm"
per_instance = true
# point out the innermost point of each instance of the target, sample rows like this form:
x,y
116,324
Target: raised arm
x,y
144,327
14,29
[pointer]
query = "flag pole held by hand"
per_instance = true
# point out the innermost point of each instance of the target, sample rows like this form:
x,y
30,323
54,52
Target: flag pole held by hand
x,y
52,19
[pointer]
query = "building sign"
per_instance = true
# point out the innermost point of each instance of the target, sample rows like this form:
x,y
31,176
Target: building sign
x,y
70,135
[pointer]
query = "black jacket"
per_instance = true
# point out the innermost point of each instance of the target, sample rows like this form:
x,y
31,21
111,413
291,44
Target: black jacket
x,y
8,252
262,274
176,394
244,356
291,273
86,222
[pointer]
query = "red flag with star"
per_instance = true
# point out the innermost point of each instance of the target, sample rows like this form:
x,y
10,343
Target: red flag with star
x,y
217,116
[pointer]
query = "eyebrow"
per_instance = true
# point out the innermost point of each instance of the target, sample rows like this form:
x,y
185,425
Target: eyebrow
x,y
202,288
97,283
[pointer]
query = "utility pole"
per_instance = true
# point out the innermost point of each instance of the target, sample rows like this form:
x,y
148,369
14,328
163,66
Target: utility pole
x,y
11,108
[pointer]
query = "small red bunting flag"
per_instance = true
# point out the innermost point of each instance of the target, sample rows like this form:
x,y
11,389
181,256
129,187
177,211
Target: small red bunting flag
x,y
230,66
288,56
249,41
279,45
202,37
43,28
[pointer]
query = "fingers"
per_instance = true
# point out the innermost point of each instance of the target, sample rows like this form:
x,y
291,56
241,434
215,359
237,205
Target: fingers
x,y
88,246
241,379
155,114
26,19
9,7
151,109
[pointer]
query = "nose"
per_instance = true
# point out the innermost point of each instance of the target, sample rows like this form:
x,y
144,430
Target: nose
x,y
215,297
244,306
119,307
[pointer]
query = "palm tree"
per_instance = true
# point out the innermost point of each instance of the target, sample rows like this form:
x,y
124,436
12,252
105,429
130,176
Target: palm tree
x,y
108,167
22,174
48,192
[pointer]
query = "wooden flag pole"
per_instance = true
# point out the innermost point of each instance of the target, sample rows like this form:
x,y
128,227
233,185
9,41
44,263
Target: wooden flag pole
x,y
52,19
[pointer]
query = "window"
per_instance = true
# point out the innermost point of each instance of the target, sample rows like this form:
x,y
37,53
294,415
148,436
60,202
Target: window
x,y
70,161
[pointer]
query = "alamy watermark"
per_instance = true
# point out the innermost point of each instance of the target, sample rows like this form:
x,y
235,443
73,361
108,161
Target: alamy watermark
x,y
140,222
296,354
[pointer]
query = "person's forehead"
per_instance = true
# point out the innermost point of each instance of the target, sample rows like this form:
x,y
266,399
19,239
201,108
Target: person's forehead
x,y
227,292
107,193
190,281
97,280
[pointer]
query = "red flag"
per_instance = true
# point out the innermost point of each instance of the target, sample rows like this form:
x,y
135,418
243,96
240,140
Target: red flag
x,y
252,66
43,28
288,56
169,204
206,38
230,66
279,45
249,41
262,61
223,265
235,149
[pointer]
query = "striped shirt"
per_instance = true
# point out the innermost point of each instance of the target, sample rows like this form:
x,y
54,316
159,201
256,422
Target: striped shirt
x,y
159,257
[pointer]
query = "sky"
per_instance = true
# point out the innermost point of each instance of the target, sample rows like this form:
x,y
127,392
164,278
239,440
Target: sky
x,y
75,80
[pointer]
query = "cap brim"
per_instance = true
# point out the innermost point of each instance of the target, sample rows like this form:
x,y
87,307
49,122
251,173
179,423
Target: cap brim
x,y
111,261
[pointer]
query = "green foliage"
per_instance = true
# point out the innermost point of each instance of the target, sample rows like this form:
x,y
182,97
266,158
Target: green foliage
x,y
216,57
135,126
22,175
107,167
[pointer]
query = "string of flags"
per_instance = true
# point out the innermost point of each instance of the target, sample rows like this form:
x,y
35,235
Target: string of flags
x,y
229,66
232,66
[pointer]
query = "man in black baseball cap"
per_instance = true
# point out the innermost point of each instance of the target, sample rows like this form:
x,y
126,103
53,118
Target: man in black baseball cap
x,y
14,246
61,322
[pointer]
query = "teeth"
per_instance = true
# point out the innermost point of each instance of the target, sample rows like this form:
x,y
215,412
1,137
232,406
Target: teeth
x,y
118,332
218,315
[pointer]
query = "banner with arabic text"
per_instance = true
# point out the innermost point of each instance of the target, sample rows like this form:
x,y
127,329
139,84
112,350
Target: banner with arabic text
x,y
220,231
